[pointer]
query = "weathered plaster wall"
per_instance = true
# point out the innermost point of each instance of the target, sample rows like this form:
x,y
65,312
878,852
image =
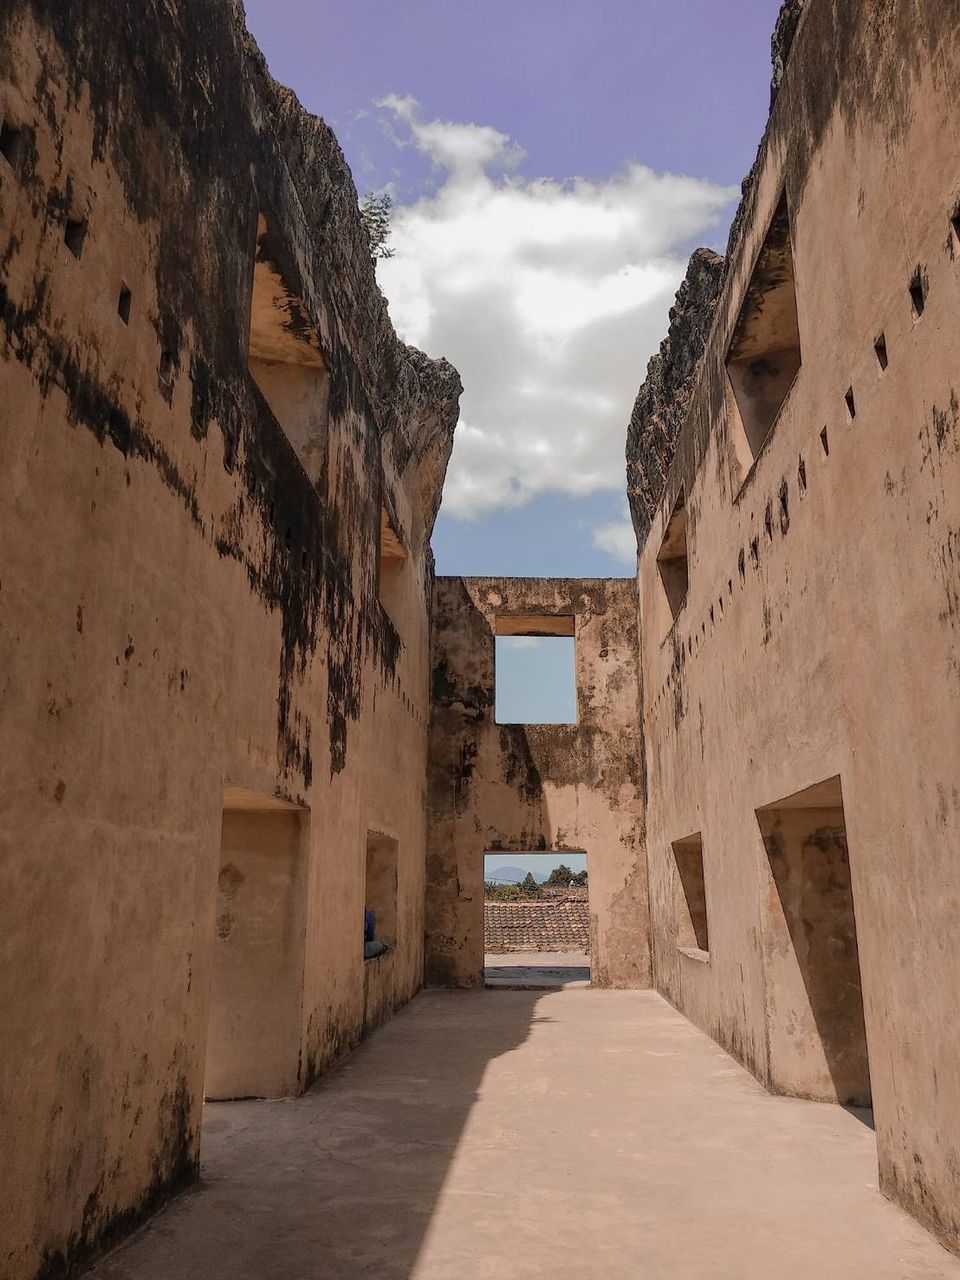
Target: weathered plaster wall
x,y
180,607
661,405
821,631
527,787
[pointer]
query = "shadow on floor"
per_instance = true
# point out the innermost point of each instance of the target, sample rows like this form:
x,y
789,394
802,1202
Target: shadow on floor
x,y
341,1183
863,1114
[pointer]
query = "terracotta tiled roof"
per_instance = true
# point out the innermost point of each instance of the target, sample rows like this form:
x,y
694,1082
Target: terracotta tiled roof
x,y
536,926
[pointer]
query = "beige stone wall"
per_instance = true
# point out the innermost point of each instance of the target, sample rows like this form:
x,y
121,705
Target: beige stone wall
x,y
820,636
182,608
527,787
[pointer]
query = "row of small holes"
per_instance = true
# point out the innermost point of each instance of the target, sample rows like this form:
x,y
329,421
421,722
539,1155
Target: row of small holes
x,y
75,230
918,299
74,237
754,546
917,290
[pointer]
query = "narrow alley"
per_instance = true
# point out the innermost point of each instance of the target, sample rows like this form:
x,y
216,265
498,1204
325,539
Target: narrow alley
x,y
572,1134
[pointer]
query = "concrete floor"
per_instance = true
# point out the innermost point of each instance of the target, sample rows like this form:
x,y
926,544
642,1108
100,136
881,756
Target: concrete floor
x,y
517,1135
536,969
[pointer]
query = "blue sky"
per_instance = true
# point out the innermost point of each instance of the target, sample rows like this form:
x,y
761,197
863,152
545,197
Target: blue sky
x,y
552,166
535,681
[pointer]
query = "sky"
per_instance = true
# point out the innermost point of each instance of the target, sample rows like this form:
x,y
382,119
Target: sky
x,y
552,166
535,681
538,863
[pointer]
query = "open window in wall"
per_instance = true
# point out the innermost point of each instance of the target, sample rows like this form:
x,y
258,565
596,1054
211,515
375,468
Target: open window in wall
x,y
393,559
815,1022
691,898
673,565
284,355
535,678
764,355
254,1029
536,918
380,895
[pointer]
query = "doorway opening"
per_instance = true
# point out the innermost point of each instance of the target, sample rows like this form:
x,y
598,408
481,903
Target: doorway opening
x,y
817,1035
256,988
536,919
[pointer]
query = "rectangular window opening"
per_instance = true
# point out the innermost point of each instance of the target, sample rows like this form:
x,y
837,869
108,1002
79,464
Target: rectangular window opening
x,y
918,292
691,897
74,235
535,671
850,402
123,304
880,350
536,919
764,355
285,359
673,566
818,1044
254,1029
392,563
825,442
380,895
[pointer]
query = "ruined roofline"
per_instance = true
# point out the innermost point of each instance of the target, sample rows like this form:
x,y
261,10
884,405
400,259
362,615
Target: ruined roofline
x,y
210,117
663,399
329,202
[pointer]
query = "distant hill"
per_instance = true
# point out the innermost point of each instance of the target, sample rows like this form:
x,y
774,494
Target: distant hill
x,y
514,875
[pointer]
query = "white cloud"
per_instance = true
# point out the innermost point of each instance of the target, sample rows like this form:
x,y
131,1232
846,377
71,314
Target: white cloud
x,y
549,298
618,539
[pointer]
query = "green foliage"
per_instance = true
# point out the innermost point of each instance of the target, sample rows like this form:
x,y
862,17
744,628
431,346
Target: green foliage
x,y
501,892
561,876
375,210
529,886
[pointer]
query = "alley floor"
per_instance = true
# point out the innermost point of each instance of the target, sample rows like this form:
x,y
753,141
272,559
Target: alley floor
x,y
536,969
524,1135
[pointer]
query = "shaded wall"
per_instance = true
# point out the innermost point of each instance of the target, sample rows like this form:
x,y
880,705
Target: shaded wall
x,y
182,606
527,787
820,637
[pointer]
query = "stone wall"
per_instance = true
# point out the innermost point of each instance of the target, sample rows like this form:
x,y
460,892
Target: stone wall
x,y
189,619
527,787
800,694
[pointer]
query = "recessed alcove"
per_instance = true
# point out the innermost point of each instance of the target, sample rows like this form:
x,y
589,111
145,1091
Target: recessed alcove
x,y
253,1038
285,358
75,235
381,885
764,358
818,1045
391,569
918,292
673,568
691,897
